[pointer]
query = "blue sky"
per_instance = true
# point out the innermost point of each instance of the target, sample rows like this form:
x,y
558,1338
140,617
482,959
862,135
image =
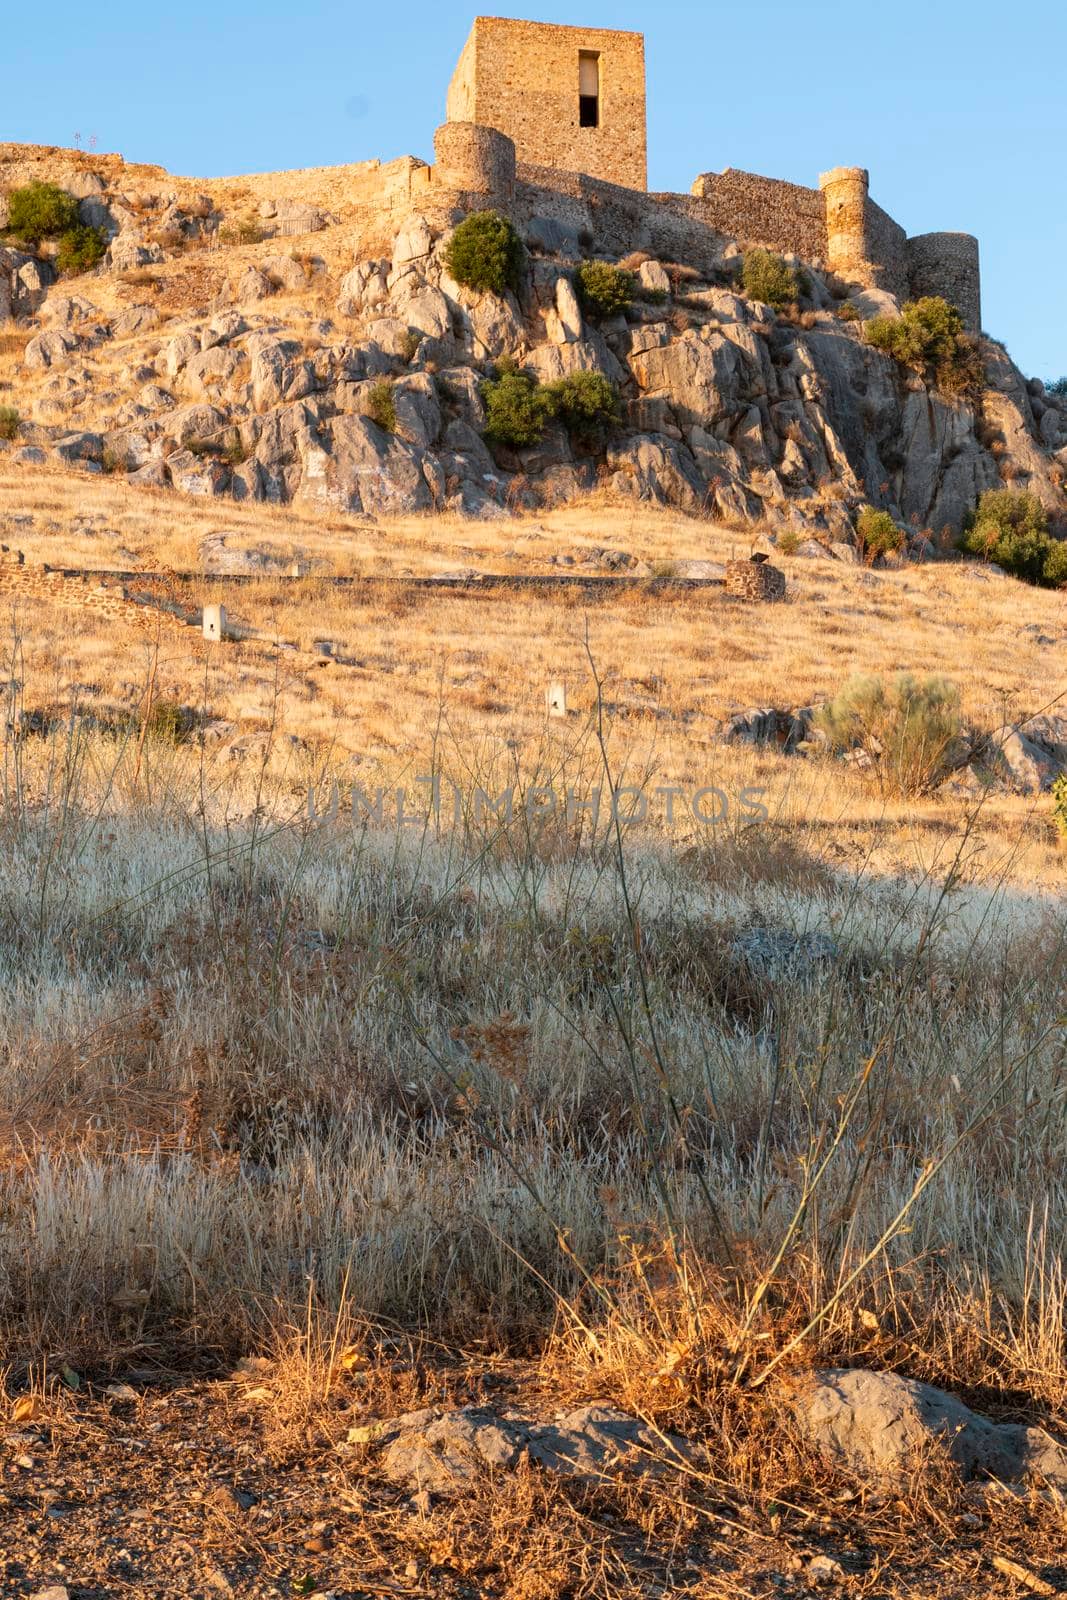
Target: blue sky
x,y
958,109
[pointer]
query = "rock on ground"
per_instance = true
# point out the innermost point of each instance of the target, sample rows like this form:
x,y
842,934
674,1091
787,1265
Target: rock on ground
x,y
445,1452
878,1424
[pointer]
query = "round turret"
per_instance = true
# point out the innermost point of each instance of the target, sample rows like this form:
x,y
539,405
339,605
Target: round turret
x,y
474,159
946,264
844,191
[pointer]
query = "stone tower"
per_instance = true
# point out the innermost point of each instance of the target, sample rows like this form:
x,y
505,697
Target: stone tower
x,y
569,98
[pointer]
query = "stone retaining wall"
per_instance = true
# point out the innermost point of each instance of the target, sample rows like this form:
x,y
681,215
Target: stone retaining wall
x,y
754,580
104,599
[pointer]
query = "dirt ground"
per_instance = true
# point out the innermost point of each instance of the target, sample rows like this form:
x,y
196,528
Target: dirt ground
x,y
181,1487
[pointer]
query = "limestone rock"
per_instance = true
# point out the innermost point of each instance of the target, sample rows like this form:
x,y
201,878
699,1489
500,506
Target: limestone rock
x,y
178,352
129,251
413,241
652,468
193,422
426,310
65,310
370,470
284,273
705,378
1033,769
364,286
49,349
79,447
878,1424
209,373
652,275
291,217
448,1452
278,374
196,474
418,412
138,319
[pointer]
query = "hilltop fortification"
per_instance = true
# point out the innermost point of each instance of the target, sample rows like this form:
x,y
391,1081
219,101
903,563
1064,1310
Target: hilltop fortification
x,y
300,336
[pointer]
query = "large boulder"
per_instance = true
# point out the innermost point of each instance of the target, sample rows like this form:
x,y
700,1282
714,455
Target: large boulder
x,y
192,422
374,471
279,375
880,1425
413,242
210,372
423,309
1032,767
197,474
49,349
418,411
289,217
66,310
365,286
705,378
650,467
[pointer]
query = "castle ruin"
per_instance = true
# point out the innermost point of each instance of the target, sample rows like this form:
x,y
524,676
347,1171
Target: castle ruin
x,y
546,120
547,123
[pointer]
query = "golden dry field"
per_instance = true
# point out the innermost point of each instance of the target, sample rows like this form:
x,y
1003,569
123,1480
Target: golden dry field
x,y
310,1120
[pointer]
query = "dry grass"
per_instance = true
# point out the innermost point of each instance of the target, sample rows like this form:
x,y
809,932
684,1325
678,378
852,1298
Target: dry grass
x,y
407,661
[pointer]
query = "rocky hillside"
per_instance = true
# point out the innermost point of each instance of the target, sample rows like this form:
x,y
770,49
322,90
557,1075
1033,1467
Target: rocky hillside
x,y
221,355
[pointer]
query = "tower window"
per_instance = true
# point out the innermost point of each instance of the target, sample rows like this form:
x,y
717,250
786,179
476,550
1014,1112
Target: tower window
x,y
588,89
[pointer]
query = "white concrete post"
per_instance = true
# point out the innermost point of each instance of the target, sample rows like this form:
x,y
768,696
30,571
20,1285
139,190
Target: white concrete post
x,y
214,623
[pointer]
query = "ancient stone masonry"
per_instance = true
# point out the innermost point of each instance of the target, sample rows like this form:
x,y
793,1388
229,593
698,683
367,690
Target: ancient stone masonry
x,y
754,580
783,216
548,122
22,580
947,264
568,98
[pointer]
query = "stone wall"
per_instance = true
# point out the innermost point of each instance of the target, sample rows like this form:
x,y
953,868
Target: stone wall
x,y
754,580
474,160
764,211
100,598
28,163
523,78
947,264
862,241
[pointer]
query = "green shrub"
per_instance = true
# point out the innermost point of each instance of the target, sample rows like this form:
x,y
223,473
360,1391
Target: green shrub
x,y
877,533
1059,802
789,542
1057,386
486,254
910,728
1012,529
381,406
847,312
517,409
245,230
604,290
80,249
41,211
586,403
768,278
929,337
10,421
168,722
409,344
